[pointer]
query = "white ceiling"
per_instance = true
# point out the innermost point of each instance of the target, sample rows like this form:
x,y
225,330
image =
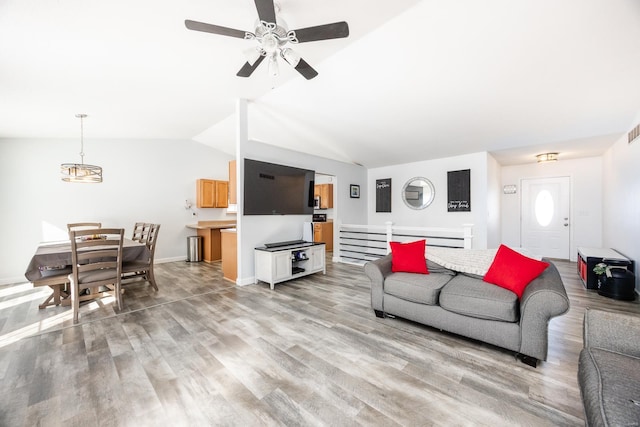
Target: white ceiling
x,y
416,79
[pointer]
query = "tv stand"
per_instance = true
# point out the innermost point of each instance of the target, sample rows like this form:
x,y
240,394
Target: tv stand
x,y
291,260
287,243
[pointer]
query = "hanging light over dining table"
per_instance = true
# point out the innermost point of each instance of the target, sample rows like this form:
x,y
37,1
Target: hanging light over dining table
x,y
81,172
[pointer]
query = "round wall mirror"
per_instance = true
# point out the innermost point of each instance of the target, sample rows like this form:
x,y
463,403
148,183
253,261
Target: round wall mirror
x,y
418,193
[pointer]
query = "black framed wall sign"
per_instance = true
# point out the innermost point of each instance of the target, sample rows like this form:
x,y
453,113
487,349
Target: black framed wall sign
x,y
383,195
354,191
459,191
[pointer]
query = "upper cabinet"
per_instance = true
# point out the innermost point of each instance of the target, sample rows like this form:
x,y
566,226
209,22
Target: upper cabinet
x,y
212,194
325,192
233,188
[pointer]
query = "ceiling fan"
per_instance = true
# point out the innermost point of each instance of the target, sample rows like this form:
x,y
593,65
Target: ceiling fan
x,y
273,38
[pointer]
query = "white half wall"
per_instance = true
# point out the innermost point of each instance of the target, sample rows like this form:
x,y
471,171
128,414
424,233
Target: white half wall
x,y
621,200
586,199
144,180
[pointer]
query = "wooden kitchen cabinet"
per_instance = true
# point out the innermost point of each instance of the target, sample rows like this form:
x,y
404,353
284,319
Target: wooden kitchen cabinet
x,y
229,254
323,233
325,192
233,186
210,231
212,193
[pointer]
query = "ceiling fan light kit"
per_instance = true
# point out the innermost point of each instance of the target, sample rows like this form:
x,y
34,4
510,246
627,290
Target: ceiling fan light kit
x,y
290,56
273,37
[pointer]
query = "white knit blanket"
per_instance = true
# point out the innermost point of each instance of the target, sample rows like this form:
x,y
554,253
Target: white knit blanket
x,y
472,261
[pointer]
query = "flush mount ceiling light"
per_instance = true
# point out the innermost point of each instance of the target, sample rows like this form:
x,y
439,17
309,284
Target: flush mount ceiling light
x,y
81,172
547,157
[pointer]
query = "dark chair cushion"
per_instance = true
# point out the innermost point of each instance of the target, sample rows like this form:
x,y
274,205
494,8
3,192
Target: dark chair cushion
x,y
96,275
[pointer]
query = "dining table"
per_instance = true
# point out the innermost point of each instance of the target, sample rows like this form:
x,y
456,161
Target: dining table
x,y
54,258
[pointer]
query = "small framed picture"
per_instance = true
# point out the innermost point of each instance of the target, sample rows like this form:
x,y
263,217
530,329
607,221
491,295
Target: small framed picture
x,y
354,192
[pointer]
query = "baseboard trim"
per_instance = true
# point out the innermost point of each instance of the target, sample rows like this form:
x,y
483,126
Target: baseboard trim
x,y
246,281
173,259
13,280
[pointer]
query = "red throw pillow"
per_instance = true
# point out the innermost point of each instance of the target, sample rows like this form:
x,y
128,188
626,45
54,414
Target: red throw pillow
x,y
408,257
514,271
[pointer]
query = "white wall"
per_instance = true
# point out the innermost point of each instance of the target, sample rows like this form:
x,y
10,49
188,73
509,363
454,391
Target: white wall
x,y
586,199
144,180
621,200
256,230
436,214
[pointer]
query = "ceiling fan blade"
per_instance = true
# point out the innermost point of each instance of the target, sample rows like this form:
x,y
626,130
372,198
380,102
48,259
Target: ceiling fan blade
x,y
248,69
266,10
306,70
336,30
214,29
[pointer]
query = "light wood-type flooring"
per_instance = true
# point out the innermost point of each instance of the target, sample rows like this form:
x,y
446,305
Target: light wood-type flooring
x,y
202,351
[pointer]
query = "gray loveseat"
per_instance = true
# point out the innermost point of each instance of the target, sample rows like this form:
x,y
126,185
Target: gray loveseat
x,y
465,305
609,369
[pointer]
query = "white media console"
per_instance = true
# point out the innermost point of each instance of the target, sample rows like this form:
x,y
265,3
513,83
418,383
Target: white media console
x,y
290,260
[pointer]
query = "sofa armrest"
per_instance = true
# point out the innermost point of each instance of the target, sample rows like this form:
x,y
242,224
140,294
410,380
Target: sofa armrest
x,y
617,332
377,271
544,298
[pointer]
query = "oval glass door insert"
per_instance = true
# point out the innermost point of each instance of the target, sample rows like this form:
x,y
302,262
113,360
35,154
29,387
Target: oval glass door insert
x,y
544,208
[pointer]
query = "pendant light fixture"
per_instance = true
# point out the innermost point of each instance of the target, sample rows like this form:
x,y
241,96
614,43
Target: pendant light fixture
x,y
74,172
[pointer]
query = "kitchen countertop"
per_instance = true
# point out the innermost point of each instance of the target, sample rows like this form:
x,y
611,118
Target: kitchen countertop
x,y
209,225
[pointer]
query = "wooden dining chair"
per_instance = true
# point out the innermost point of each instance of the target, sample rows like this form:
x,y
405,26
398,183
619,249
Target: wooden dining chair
x,y
96,263
140,232
143,269
83,225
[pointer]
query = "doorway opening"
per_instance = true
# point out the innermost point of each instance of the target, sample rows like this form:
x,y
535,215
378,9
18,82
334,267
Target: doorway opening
x,y
325,210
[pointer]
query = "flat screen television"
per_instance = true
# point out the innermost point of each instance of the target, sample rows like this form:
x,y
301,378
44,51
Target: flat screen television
x,y
272,189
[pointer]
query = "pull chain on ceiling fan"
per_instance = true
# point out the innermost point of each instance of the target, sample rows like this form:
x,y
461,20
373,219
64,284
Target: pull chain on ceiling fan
x,y
273,37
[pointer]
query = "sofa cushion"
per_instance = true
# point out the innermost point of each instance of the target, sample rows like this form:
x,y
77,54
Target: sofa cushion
x,y
434,267
472,297
418,288
513,271
408,257
610,387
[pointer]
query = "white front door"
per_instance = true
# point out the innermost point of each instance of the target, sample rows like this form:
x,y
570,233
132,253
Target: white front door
x,y
545,227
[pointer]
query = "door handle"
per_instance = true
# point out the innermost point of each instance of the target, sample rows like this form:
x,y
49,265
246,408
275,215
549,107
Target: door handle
x,y
566,224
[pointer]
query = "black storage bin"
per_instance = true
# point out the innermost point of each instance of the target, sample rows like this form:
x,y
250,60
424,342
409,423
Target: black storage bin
x,y
621,285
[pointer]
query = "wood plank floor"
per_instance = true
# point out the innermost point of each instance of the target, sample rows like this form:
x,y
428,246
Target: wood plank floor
x,y
202,351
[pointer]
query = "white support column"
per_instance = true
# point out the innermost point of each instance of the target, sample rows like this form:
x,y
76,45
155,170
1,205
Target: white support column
x,y
389,226
242,132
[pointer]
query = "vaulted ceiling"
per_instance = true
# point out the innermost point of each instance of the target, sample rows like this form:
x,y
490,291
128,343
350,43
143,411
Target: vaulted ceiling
x,y
414,80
